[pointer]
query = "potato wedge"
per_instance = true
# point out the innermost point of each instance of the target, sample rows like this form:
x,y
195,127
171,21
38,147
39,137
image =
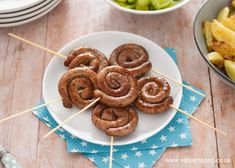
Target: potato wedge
x,y
222,33
224,49
230,69
216,59
229,23
223,14
208,35
232,14
233,17
233,3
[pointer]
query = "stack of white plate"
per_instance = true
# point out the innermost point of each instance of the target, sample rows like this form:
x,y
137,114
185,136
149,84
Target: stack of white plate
x,y
18,12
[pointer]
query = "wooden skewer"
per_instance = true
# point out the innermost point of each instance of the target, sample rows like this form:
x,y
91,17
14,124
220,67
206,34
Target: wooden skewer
x,y
198,120
71,117
111,153
37,45
62,56
179,83
29,110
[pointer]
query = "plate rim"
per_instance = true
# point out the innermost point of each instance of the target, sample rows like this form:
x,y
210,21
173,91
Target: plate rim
x,y
21,8
32,14
67,128
25,11
28,20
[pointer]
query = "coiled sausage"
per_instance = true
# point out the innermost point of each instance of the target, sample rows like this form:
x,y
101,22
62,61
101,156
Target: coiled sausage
x,y
153,95
86,57
133,57
116,87
115,121
76,87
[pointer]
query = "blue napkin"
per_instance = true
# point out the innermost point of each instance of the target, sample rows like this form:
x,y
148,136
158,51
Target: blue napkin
x,y
138,155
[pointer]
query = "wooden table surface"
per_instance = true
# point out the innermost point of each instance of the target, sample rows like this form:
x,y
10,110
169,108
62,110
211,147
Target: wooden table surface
x,y
22,68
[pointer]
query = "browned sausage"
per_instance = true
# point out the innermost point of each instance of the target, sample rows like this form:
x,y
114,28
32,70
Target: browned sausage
x,y
115,121
153,95
76,87
116,87
132,57
86,57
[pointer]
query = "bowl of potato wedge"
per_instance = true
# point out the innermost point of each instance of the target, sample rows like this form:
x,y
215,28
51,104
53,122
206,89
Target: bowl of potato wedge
x,y
214,33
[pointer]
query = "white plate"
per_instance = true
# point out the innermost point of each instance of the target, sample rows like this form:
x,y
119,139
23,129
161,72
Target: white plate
x,y
29,15
82,126
31,18
7,6
26,11
154,12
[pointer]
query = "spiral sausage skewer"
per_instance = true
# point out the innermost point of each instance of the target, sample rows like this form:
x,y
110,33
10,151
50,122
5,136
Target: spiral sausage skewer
x,y
76,87
86,57
153,95
115,121
116,87
132,57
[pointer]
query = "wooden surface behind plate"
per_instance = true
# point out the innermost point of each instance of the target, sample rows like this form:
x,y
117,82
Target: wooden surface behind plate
x,y
22,68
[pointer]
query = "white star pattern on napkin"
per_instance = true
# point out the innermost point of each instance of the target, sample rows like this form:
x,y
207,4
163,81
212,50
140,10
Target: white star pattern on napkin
x,y
141,165
35,112
105,160
182,135
174,144
74,150
163,138
180,120
171,129
152,152
115,150
83,143
92,159
62,136
134,148
46,119
138,153
128,166
144,141
73,137
192,98
94,151
124,156
154,146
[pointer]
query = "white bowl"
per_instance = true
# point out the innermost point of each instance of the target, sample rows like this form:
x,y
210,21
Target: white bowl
x,y
155,12
209,11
